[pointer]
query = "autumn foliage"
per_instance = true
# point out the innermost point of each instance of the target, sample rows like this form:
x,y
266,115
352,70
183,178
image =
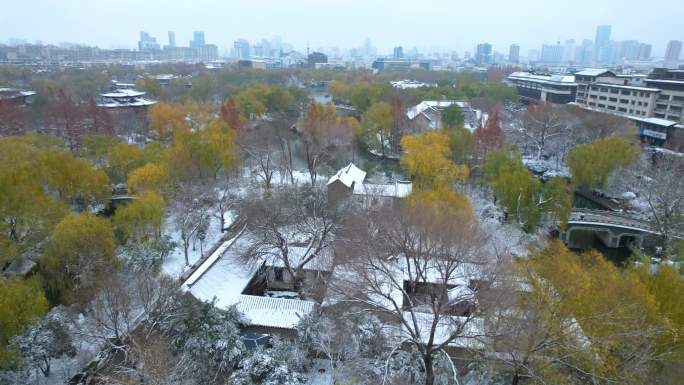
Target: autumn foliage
x,y
427,158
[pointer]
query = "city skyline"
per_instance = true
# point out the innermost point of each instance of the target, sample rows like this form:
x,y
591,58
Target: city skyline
x,y
336,24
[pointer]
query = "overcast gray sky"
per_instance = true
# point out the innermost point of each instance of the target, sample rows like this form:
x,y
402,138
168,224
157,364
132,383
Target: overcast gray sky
x,y
450,24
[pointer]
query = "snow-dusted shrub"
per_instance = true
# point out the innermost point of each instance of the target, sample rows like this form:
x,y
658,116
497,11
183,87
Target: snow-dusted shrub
x,y
206,339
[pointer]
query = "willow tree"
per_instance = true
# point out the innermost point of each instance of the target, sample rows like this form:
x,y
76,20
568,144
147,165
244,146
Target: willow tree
x,y
592,164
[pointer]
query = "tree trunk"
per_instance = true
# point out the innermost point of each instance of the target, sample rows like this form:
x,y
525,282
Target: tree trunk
x,y
186,245
429,373
46,369
516,377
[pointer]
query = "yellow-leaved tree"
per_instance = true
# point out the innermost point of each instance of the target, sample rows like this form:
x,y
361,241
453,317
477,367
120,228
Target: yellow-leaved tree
x,y
153,177
166,119
581,319
140,220
122,158
77,256
22,303
427,157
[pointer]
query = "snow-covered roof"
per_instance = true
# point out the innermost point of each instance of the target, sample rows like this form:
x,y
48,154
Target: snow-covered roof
x,y
593,72
274,312
473,328
398,189
321,262
406,84
565,80
165,76
664,81
137,102
220,277
423,106
118,84
10,93
634,88
657,121
123,93
348,175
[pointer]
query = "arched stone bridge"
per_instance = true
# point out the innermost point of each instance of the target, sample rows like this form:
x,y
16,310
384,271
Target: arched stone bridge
x,y
612,228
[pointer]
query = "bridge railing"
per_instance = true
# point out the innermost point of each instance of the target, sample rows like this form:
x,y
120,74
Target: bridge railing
x,y
609,217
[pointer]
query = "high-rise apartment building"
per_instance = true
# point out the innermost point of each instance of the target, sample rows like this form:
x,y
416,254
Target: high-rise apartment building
x,y
197,39
147,42
552,53
644,52
673,51
172,39
569,50
602,44
398,52
483,53
241,49
514,53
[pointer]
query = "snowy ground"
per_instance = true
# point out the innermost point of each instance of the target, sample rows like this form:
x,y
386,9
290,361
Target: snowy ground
x,y
503,238
548,168
174,264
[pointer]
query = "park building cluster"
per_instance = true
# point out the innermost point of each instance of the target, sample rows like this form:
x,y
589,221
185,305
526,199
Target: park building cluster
x,y
654,102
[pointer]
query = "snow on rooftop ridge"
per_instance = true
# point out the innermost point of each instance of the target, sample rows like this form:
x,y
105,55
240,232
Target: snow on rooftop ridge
x,y
657,121
348,175
140,102
592,72
274,312
425,105
123,93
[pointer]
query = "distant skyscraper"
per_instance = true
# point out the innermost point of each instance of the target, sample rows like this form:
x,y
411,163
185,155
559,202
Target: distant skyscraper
x,y
602,44
552,53
172,39
368,49
147,42
569,50
673,51
583,53
532,55
197,39
644,52
629,50
514,53
483,53
398,52
241,47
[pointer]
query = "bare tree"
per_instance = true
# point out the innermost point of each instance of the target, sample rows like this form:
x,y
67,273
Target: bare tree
x,y
291,226
68,118
322,131
12,119
225,199
543,125
595,125
126,318
190,210
662,186
419,267
261,146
